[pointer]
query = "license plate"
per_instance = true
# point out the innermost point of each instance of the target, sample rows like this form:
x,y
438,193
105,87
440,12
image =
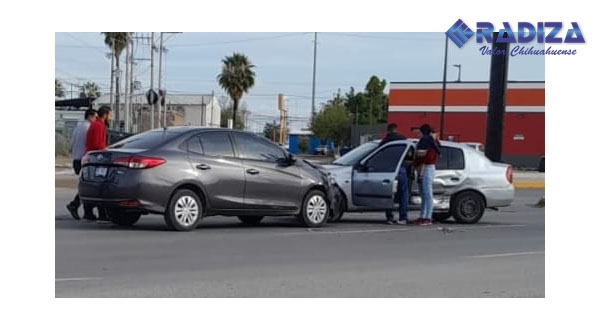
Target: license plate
x,y
101,171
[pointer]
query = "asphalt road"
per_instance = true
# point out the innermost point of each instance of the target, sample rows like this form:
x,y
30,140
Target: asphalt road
x,y
502,256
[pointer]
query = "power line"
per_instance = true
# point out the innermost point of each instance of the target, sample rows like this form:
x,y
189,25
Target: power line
x,y
355,35
240,40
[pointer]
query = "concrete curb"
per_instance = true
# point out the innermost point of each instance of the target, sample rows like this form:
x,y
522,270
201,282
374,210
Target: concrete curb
x,y
529,185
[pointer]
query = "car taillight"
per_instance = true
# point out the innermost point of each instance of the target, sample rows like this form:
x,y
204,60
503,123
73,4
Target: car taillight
x,y
85,159
139,162
509,174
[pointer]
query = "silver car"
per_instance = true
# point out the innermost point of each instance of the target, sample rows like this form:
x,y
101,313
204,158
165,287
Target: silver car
x,y
465,183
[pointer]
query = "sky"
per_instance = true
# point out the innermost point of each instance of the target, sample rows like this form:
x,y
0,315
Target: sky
x,y
284,64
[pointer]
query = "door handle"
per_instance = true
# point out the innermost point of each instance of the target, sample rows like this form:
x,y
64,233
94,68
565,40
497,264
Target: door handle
x,y
386,181
455,179
203,167
252,171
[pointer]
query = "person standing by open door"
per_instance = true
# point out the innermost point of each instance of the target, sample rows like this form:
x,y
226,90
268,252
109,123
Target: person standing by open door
x,y
427,152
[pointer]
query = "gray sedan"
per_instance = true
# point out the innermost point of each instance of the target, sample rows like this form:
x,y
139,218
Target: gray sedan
x,y
465,184
187,173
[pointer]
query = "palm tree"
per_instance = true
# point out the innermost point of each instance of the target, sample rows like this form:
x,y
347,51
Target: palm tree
x,y
89,90
59,90
116,41
236,79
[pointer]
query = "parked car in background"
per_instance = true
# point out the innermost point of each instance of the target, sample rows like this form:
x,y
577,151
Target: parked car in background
x,y
542,164
475,145
321,150
187,173
465,183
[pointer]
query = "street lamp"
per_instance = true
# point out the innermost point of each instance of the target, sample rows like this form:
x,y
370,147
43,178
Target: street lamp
x,y
459,67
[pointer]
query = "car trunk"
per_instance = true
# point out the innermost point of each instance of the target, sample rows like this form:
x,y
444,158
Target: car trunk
x,y
101,166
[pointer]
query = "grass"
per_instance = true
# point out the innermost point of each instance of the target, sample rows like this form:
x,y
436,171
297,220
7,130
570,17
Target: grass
x,y
541,203
61,145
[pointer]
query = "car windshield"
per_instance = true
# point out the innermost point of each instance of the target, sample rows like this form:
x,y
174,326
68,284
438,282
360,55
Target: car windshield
x,y
146,140
353,156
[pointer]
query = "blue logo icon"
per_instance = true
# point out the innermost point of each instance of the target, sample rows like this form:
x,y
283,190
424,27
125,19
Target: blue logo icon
x,y
459,33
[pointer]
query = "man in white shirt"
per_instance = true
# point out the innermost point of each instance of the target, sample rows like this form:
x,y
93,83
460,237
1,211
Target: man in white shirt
x,y
77,151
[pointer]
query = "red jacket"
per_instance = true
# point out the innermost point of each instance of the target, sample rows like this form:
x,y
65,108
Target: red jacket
x,y
96,136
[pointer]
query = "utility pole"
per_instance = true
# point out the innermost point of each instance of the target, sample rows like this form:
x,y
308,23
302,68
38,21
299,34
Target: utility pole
x,y
314,110
131,89
496,102
152,78
160,52
127,85
443,114
112,72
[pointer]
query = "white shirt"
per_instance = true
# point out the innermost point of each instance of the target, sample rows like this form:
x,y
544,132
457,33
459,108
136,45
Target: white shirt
x,y
78,139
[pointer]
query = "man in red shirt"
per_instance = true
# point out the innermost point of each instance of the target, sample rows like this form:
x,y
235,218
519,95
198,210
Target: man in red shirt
x,y
96,140
96,135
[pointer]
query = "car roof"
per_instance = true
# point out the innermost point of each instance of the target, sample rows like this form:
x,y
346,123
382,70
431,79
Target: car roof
x,y
415,141
185,129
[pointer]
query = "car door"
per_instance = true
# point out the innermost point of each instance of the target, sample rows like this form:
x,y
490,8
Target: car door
x,y
373,177
271,184
450,170
213,160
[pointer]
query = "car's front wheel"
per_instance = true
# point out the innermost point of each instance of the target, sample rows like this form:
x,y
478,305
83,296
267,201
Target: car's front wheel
x,y
122,218
468,207
315,209
250,220
184,211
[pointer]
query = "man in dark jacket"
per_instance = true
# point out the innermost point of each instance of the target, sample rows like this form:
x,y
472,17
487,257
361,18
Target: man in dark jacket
x,y
392,135
402,194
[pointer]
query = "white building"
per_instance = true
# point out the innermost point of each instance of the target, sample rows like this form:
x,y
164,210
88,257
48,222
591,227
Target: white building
x,y
198,110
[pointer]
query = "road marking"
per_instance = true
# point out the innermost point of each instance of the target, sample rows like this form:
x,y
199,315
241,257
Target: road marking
x,y
506,254
409,229
77,279
342,231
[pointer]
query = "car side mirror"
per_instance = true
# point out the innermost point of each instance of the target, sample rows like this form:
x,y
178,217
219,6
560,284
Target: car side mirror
x,y
289,159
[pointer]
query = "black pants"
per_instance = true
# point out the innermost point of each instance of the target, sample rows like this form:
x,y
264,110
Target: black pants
x,y
87,209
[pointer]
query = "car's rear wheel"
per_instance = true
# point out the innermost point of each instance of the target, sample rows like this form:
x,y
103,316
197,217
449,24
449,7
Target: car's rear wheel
x,y
441,217
468,207
315,209
250,220
122,218
184,211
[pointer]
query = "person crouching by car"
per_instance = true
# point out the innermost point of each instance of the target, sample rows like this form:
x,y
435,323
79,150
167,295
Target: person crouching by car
x,y
427,152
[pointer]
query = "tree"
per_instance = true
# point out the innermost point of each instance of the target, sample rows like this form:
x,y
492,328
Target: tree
x,y
272,131
59,89
377,100
89,90
303,145
332,123
117,42
236,78
227,113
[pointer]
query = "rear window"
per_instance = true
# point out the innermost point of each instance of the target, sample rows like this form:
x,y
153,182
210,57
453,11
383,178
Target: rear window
x,y
146,140
450,159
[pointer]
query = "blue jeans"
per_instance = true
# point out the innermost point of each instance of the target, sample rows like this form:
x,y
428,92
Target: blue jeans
x,y
427,192
402,196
